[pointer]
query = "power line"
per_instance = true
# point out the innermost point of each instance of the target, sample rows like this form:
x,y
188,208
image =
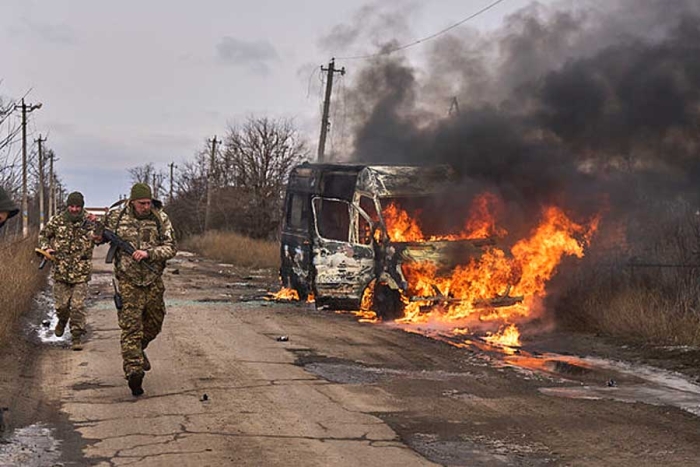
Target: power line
x,y
427,38
10,137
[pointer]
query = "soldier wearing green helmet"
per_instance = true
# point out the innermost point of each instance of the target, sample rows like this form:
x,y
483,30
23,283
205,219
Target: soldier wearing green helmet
x,y
68,238
147,228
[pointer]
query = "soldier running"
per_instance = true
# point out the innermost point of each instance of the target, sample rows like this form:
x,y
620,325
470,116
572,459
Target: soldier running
x,y
148,229
69,239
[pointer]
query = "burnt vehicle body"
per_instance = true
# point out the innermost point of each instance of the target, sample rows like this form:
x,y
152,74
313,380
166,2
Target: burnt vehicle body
x,y
334,239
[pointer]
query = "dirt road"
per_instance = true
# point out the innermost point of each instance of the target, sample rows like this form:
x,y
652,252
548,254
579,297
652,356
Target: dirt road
x,y
227,389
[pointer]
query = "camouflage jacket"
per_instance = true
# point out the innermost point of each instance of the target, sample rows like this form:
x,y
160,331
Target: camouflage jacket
x,y
153,234
73,243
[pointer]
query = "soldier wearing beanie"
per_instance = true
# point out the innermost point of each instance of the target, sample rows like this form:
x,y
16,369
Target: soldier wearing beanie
x,y
7,207
145,226
69,239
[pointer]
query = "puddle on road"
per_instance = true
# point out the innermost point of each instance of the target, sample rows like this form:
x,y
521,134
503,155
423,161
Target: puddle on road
x,y
634,383
44,329
600,379
31,446
603,379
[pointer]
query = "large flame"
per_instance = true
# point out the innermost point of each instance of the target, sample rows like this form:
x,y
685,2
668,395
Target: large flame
x,y
400,226
481,223
466,291
482,218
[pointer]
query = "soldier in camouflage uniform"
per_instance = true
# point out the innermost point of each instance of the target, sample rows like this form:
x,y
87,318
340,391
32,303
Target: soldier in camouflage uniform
x,y
149,230
7,207
69,239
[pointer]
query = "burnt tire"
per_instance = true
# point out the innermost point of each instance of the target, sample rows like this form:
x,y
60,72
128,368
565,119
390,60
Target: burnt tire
x,y
387,303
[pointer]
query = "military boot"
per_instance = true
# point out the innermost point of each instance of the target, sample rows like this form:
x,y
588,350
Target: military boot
x,y
146,363
76,343
135,380
60,328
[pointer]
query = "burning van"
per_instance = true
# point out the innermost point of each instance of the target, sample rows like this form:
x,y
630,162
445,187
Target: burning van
x,y
345,241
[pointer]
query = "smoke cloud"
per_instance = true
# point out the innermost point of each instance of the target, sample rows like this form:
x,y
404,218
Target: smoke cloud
x,y
580,104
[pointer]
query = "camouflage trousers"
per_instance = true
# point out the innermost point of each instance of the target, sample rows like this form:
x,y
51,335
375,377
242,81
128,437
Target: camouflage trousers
x,y
69,300
140,319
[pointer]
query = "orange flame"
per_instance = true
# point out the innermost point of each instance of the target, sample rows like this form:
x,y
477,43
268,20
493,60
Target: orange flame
x,y
507,337
401,227
539,256
482,220
481,223
472,290
365,313
366,316
285,294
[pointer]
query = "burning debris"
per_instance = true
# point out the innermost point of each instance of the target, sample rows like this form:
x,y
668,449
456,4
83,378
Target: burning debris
x,y
285,294
366,316
508,337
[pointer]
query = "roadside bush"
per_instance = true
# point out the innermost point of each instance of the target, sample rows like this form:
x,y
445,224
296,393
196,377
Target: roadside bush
x,y
234,248
20,281
645,287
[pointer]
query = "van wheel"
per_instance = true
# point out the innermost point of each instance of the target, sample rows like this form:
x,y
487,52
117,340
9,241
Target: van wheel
x,y
387,303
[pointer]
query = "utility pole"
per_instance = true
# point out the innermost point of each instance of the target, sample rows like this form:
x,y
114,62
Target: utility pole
x,y
58,196
52,192
210,183
325,122
155,187
25,204
41,182
172,166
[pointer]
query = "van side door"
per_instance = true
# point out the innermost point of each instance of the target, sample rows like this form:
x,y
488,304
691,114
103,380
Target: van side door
x,y
343,266
295,244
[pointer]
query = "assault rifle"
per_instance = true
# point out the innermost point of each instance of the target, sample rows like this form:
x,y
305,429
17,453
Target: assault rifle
x,y
118,243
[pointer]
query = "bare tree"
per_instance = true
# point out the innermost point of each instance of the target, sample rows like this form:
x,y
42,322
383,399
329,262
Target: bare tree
x,y
149,175
142,173
187,207
248,179
256,160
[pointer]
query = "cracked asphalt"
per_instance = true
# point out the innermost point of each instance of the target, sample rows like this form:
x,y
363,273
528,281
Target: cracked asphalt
x,y
224,391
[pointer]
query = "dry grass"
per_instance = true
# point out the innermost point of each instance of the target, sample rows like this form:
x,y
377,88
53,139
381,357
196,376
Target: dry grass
x,y
637,314
640,283
19,281
650,317
645,308
236,249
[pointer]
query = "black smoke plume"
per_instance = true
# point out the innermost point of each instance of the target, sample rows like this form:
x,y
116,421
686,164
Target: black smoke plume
x,y
585,105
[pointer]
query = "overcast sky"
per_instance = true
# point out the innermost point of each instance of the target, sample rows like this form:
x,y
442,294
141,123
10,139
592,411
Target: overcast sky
x,y
131,82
